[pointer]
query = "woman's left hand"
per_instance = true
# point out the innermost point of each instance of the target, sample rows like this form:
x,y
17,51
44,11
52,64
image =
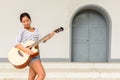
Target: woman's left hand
x,y
52,34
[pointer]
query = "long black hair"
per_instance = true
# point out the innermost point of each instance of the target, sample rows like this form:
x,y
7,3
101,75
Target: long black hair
x,y
24,15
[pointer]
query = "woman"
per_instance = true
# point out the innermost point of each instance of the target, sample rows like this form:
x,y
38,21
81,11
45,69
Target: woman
x,y
30,33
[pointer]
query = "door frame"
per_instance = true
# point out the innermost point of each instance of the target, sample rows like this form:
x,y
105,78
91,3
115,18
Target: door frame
x,y
105,14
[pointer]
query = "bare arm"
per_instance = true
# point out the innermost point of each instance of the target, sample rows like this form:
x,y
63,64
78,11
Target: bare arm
x,y
50,36
26,50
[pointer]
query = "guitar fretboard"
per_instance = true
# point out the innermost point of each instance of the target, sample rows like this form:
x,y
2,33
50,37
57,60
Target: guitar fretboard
x,y
39,41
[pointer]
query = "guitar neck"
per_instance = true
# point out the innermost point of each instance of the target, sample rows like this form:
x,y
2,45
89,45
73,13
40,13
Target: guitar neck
x,y
41,40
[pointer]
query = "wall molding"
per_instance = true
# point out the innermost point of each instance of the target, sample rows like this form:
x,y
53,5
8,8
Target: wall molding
x,y
107,17
44,60
60,60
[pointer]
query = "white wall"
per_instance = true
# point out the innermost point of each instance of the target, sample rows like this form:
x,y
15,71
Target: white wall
x,y
48,15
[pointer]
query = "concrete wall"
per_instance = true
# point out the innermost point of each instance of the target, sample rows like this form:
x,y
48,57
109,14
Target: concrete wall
x,y
46,15
49,15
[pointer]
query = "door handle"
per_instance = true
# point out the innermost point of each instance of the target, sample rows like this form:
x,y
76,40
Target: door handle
x,y
87,40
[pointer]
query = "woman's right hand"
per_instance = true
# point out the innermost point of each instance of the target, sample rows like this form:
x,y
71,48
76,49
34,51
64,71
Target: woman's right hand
x,y
28,51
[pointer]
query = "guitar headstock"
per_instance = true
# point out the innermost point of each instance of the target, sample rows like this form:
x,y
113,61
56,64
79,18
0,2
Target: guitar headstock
x,y
59,30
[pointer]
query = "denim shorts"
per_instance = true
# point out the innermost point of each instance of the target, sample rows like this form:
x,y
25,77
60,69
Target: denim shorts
x,y
35,58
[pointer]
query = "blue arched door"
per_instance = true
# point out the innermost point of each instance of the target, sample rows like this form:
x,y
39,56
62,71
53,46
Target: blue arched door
x,y
89,37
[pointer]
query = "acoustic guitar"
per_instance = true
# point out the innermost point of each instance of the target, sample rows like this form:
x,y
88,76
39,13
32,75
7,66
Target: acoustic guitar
x,y
20,59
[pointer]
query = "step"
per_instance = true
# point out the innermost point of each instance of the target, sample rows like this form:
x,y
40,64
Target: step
x,y
64,79
66,71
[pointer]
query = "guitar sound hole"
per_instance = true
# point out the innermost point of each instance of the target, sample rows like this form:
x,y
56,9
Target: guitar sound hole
x,y
29,47
20,53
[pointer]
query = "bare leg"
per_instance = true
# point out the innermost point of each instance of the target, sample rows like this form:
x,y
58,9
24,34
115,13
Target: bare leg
x,y
32,74
38,68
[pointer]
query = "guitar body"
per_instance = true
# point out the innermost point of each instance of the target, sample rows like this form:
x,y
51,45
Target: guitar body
x,y
20,59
